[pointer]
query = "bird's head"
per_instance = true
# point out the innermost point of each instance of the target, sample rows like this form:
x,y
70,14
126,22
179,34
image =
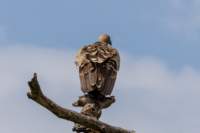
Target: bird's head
x,y
105,38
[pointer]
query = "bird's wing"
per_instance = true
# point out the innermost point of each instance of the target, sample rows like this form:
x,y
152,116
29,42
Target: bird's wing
x,y
87,71
109,73
98,66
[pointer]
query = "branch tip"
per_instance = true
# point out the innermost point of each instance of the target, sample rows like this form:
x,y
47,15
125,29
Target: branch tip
x,y
29,95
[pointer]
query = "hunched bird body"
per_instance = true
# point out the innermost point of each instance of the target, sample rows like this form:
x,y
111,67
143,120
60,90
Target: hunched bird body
x,y
98,65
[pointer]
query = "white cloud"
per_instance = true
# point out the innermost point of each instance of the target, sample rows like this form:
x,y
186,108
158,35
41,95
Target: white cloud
x,y
150,96
159,98
150,73
21,62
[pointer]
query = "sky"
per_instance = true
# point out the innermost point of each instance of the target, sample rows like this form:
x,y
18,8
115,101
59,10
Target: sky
x,y
157,88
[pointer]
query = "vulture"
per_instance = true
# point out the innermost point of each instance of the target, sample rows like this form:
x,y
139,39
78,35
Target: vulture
x,y
98,64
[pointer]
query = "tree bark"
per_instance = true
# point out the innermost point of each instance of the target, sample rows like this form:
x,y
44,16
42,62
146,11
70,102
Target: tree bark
x,y
37,95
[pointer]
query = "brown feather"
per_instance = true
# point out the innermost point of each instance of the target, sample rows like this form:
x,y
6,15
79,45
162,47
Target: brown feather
x,y
98,65
93,76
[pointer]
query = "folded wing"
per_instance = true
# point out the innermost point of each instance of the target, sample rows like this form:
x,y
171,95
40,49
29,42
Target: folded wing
x,y
98,65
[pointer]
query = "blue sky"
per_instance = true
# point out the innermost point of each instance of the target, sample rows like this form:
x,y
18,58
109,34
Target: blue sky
x,y
158,41
167,29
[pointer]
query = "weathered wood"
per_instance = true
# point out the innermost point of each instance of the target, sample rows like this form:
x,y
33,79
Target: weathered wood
x,y
37,95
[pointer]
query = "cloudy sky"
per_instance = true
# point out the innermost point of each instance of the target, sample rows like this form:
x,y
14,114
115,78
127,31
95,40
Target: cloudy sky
x,y
158,86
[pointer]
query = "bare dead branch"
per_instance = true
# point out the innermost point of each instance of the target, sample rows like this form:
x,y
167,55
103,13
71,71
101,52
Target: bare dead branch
x,y
37,95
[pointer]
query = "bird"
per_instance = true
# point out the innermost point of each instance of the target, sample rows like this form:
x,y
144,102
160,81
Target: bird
x,y
98,64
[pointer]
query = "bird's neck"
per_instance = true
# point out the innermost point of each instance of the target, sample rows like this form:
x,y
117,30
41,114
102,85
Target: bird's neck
x,y
102,43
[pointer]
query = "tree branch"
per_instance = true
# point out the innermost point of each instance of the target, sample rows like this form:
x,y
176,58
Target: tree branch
x,y
37,95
